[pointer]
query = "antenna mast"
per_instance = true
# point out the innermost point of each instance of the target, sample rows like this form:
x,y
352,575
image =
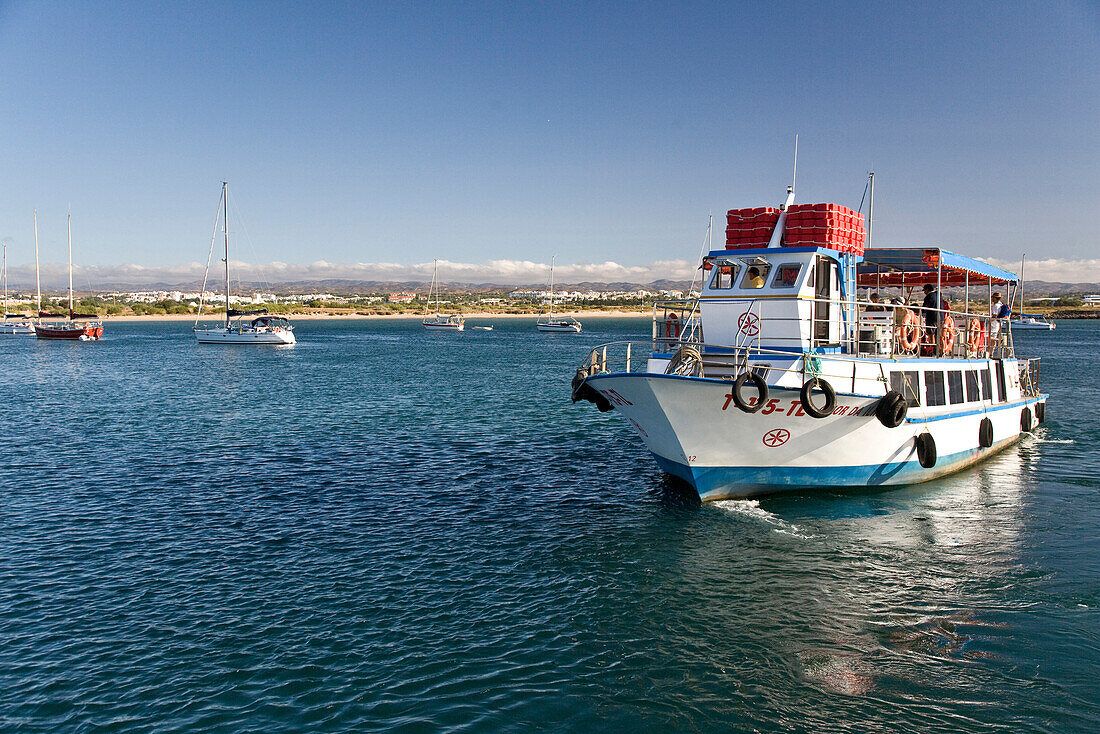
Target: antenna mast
x,y
870,206
781,225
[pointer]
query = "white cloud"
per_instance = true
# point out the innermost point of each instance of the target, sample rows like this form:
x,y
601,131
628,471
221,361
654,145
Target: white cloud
x,y
1053,269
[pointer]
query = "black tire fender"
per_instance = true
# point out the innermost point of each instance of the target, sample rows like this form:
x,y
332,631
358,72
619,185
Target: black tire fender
x,y
892,409
583,391
578,382
817,383
926,450
985,433
761,390
1026,421
1041,412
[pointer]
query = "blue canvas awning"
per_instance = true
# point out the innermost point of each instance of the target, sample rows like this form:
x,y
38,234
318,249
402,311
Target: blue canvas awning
x,y
916,266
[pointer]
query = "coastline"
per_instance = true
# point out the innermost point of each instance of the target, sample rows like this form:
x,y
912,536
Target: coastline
x,y
328,316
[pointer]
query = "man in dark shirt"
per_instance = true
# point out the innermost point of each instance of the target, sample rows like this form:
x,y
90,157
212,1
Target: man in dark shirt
x,y
931,306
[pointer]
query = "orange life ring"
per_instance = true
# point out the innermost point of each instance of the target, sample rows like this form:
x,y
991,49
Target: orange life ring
x,y
947,335
672,326
975,336
908,331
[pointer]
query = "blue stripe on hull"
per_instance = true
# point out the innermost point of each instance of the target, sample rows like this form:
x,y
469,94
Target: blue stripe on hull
x,y
727,482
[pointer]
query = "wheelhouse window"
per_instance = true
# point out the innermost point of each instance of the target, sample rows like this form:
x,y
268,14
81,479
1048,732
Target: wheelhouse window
x,y
908,384
755,276
934,393
723,278
955,387
786,275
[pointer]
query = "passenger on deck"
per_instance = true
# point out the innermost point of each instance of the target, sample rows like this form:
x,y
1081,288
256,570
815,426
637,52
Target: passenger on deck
x,y
931,306
876,303
998,310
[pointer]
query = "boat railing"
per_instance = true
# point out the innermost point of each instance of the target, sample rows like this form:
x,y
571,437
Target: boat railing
x,y
867,329
676,322
901,330
727,362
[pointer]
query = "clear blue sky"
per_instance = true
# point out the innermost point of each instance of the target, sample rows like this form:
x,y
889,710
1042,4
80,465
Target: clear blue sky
x,y
401,132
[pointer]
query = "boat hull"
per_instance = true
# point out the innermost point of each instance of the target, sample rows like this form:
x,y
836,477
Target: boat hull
x,y
73,332
695,431
561,328
443,327
1032,326
17,329
234,336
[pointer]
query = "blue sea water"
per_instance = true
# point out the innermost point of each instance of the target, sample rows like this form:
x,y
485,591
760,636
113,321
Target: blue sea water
x,y
382,528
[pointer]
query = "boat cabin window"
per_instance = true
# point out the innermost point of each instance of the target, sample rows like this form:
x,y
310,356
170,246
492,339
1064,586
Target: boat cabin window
x,y
755,275
973,390
786,275
987,387
723,278
955,387
934,393
906,383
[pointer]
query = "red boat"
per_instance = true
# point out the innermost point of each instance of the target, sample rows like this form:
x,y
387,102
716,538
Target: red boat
x,y
82,330
79,325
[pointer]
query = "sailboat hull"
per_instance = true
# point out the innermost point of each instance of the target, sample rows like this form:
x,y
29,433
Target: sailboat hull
x,y
244,336
431,326
79,332
573,328
17,329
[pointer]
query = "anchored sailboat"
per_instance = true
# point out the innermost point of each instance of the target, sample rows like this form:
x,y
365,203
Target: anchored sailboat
x,y
81,326
440,322
261,330
1027,321
14,323
561,324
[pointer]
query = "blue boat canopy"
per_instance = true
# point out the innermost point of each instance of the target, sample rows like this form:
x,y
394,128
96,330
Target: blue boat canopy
x,y
905,266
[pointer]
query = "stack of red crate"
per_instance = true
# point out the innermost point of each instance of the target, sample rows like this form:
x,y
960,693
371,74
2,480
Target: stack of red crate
x,y
824,225
750,227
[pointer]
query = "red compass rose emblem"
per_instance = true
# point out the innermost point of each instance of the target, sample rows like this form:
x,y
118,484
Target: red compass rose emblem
x,y
776,437
748,324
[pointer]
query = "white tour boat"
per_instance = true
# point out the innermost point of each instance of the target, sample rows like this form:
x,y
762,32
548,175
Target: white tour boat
x,y
262,330
562,323
783,381
440,322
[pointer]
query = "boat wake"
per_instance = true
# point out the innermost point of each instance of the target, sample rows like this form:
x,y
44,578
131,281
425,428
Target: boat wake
x,y
753,510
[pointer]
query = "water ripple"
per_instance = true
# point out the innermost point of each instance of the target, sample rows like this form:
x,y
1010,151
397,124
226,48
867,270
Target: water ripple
x,y
379,530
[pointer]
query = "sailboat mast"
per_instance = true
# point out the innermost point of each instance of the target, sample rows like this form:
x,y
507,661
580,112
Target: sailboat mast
x,y
553,259
37,283
69,224
5,280
1021,312
225,224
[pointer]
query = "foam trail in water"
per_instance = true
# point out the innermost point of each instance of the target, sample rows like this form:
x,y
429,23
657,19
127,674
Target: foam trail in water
x,y
752,509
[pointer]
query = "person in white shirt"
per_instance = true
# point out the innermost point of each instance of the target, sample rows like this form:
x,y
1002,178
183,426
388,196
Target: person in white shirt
x,y
998,310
